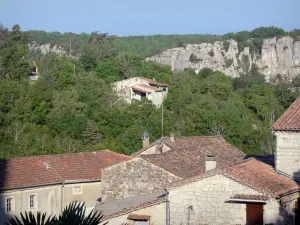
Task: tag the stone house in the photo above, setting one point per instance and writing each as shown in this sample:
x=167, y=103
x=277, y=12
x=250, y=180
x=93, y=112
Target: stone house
x=139, y=88
x=211, y=184
x=48, y=183
x=250, y=192
x=287, y=132
x=185, y=157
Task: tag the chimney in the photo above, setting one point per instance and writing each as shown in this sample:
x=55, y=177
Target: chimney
x=145, y=138
x=172, y=138
x=210, y=163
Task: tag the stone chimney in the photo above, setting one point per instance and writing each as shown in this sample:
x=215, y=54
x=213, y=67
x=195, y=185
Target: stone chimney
x=145, y=138
x=210, y=163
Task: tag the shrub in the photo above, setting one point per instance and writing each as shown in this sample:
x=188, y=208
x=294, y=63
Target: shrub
x=226, y=45
x=228, y=63
x=211, y=53
x=193, y=58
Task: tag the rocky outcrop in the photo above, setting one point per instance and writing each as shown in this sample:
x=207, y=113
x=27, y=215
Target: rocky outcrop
x=277, y=56
x=46, y=48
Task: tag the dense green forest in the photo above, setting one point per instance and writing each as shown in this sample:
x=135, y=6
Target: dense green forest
x=72, y=107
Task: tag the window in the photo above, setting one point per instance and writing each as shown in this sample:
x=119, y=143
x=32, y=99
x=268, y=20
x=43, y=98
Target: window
x=10, y=204
x=33, y=202
x=77, y=190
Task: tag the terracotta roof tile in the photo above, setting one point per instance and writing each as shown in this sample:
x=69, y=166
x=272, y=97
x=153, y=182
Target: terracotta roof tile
x=290, y=120
x=138, y=217
x=262, y=177
x=154, y=82
x=250, y=197
x=144, y=88
x=49, y=169
x=188, y=159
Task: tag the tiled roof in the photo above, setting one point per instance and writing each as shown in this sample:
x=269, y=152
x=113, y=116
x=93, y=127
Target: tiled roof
x=154, y=82
x=290, y=120
x=262, y=177
x=138, y=217
x=143, y=88
x=49, y=169
x=250, y=197
x=114, y=208
x=188, y=159
x=252, y=173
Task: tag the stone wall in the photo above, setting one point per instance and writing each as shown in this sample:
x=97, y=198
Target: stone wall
x=278, y=56
x=288, y=153
x=207, y=202
x=132, y=178
x=157, y=215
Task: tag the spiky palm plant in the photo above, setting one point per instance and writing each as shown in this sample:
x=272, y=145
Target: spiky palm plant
x=31, y=219
x=73, y=214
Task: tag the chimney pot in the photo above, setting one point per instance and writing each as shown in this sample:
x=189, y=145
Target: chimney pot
x=210, y=163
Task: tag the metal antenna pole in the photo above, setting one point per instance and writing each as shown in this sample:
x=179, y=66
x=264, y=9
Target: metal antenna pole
x=162, y=119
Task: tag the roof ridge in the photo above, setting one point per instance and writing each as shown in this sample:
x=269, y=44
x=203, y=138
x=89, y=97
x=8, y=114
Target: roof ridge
x=60, y=154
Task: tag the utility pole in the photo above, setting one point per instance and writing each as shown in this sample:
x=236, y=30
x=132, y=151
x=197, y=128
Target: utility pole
x=162, y=119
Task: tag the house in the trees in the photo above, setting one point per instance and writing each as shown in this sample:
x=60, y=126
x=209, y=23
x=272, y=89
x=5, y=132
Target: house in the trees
x=48, y=183
x=139, y=88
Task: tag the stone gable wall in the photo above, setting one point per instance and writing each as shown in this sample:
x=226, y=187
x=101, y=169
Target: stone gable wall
x=157, y=215
x=209, y=198
x=288, y=153
x=132, y=178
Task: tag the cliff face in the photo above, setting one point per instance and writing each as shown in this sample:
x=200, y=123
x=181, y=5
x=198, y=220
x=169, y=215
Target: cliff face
x=277, y=56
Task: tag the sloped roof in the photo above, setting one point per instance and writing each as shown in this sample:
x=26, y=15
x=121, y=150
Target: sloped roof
x=262, y=177
x=50, y=169
x=154, y=82
x=252, y=173
x=114, y=208
x=143, y=88
x=189, y=158
x=290, y=120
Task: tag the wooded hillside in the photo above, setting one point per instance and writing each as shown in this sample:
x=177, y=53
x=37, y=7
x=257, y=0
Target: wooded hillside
x=71, y=107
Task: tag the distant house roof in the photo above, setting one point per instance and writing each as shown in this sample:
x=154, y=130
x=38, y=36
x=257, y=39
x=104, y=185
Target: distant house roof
x=153, y=82
x=188, y=156
x=254, y=174
x=114, y=208
x=143, y=88
x=290, y=120
x=52, y=169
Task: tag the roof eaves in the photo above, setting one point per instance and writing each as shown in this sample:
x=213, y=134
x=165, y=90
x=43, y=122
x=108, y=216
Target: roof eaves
x=135, y=208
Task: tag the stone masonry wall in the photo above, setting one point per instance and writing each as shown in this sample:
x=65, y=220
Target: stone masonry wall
x=288, y=153
x=206, y=202
x=132, y=178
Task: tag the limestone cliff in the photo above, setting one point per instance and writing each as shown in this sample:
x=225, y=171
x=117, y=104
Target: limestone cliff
x=46, y=48
x=277, y=56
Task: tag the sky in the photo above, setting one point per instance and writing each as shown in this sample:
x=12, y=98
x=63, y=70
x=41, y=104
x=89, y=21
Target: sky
x=141, y=17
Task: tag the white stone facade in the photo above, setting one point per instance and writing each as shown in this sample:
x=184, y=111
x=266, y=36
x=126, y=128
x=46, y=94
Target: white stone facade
x=157, y=215
x=207, y=201
x=125, y=91
x=287, y=151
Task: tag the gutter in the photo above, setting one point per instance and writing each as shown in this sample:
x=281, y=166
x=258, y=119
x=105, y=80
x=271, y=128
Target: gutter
x=51, y=184
x=247, y=200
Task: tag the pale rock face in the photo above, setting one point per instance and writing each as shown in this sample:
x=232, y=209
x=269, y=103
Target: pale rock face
x=46, y=48
x=278, y=56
